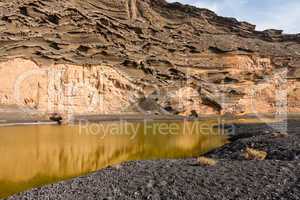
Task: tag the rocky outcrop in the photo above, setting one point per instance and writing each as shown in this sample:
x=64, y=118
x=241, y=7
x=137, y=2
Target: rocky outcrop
x=100, y=56
x=65, y=88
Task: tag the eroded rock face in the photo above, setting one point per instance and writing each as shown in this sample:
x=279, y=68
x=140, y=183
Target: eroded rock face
x=100, y=56
x=65, y=88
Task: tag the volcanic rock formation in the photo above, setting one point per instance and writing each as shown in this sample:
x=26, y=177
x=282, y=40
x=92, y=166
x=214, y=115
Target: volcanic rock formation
x=150, y=56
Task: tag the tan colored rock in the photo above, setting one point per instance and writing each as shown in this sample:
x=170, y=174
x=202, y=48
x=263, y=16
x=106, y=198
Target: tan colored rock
x=108, y=56
x=65, y=88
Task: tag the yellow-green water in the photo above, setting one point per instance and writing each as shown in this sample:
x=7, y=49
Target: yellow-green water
x=33, y=156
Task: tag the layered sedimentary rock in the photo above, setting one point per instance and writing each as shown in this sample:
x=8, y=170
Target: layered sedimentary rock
x=100, y=56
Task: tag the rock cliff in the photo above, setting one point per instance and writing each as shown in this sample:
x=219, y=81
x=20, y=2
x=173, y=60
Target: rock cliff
x=150, y=56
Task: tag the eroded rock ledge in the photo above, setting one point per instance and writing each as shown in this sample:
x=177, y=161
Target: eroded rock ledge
x=99, y=56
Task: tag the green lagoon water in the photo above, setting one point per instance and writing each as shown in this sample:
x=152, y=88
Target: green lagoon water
x=33, y=156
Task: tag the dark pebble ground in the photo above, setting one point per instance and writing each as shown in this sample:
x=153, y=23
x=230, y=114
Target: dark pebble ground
x=277, y=177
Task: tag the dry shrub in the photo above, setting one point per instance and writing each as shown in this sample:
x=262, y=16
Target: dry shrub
x=280, y=135
x=253, y=154
x=204, y=161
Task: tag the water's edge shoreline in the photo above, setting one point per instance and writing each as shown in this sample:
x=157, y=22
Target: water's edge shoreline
x=233, y=176
x=43, y=120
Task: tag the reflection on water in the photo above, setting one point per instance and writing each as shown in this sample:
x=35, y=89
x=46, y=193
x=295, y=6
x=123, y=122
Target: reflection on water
x=32, y=156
